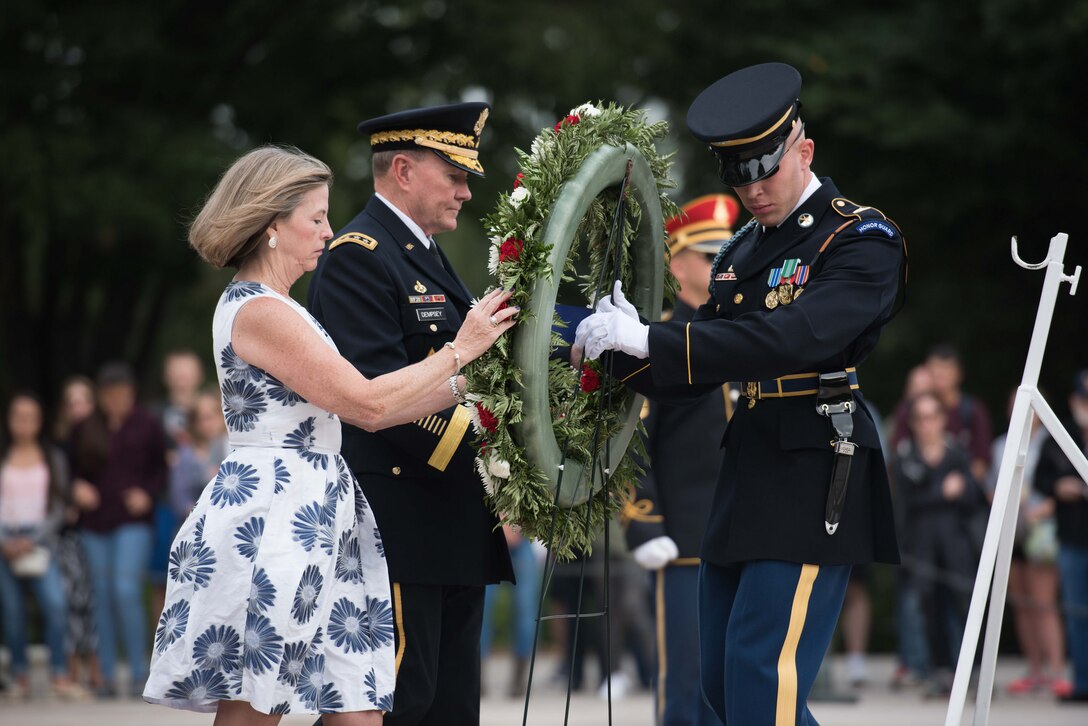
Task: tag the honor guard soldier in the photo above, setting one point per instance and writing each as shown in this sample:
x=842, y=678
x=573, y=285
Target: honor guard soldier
x=389, y=297
x=668, y=511
x=798, y=299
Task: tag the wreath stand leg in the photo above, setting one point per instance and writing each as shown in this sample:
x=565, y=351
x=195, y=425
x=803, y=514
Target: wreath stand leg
x=551, y=561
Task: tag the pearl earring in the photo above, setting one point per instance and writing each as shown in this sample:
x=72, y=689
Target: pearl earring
x=272, y=242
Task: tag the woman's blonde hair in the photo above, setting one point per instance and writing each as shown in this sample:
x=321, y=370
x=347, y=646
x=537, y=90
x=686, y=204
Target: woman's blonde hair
x=260, y=187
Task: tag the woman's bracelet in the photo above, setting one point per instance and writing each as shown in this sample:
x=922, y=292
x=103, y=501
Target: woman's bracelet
x=456, y=356
x=457, y=394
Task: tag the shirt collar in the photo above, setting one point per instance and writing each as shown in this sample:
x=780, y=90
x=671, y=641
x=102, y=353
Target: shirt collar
x=408, y=222
x=813, y=185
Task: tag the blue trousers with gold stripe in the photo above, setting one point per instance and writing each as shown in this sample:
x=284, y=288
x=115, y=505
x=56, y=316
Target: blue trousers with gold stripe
x=765, y=627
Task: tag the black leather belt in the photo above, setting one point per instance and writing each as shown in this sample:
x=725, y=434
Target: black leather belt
x=798, y=384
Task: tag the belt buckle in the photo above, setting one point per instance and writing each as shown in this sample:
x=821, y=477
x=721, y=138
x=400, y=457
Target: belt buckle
x=752, y=392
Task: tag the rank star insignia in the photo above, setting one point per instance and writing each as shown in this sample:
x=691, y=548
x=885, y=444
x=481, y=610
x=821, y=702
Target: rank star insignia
x=420, y=287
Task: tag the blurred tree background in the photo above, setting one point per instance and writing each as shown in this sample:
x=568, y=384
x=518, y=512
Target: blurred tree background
x=963, y=121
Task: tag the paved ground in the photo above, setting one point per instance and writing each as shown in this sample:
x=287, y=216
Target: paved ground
x=876, y=705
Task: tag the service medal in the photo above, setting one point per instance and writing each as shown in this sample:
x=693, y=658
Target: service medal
x=797, y=292
x=772, y=299
x=785, y=293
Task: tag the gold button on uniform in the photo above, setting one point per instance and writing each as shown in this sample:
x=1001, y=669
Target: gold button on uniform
x=434, y=328
x=738, y=298
x=396, y=471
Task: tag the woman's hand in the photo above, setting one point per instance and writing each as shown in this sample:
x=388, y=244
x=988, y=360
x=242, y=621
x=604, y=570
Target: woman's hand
x=484, y=324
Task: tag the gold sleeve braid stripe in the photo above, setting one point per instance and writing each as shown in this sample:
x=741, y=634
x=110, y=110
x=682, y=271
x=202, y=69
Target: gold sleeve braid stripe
x=451, y=439
x=632, y=375
x=435, y=424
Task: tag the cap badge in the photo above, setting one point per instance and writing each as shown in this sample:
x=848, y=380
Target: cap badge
x=420, y=287
x=805, y=220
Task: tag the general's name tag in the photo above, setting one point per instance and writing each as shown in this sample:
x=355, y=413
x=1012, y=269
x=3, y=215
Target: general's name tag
x=426, y=314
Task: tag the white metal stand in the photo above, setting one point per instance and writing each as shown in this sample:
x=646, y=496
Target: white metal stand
x=997, y=547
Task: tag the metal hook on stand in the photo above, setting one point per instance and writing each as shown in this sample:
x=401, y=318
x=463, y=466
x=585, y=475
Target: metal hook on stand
x=1059, y=240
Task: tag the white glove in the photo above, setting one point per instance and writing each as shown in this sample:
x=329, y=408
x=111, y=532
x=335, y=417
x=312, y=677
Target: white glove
x=617, y=301
x=612, y=331
x=656, y=553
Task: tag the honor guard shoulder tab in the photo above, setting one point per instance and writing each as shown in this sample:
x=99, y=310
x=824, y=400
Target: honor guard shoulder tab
x=363, y=240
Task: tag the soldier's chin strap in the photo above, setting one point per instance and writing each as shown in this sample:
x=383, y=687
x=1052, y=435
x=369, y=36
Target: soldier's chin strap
x=836, y=401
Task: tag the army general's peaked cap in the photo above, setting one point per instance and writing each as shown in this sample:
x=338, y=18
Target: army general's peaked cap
x=452, y=132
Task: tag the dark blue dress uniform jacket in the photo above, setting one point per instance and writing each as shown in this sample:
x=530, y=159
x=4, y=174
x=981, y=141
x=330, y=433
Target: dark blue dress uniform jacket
x=673, y=497
x=388, y=302
x=772, y=488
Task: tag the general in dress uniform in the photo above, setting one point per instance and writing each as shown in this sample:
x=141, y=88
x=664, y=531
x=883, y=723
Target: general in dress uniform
x=389, y=297
x=798, y=299
x=670, y=503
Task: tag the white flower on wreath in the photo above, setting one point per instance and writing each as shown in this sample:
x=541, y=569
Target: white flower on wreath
x=586, y=110
x=474, y=413
x=541, y=144
x=491, y=486
x=518, y=197
x=498, y=467
x=493, y=256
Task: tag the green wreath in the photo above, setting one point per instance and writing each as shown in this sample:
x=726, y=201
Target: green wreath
x=527, y=408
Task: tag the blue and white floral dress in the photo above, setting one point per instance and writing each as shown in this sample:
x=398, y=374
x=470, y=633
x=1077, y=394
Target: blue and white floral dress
x=277, y=590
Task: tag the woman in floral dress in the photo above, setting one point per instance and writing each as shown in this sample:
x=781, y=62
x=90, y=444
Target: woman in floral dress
x=278, y=595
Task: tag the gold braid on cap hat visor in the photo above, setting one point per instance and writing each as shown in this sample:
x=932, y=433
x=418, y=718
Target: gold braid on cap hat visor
x=447, y=141
x=774, y=127
x=696, y=233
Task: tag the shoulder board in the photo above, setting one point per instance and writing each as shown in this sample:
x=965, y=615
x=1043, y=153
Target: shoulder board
x=358, y=238
x=871, y=219
x=849, y=209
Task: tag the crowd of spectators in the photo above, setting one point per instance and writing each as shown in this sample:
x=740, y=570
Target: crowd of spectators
x=91, y=496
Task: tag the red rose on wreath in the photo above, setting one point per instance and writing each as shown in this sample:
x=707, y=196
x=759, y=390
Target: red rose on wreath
x=510, y=250
x=590, y=380
x=517, y=180
x=487, y=419
x=568, y=121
